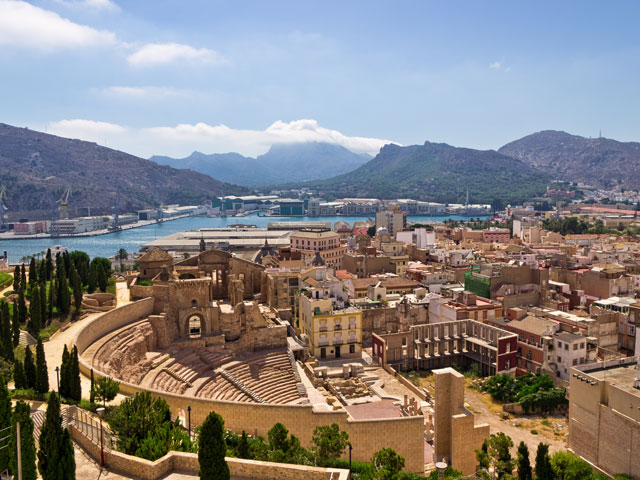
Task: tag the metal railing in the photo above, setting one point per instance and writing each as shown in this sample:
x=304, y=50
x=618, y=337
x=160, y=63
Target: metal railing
x=88, y=426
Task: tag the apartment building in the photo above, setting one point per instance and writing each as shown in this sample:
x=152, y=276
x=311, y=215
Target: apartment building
x=393, y=221
x=464, y=305
x=323, y=242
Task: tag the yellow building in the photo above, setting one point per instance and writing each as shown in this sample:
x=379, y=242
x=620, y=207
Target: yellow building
x=332, y=332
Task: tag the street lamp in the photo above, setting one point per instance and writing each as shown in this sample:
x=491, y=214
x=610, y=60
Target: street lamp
x=350, y=448
x=189, y=413
x=58, y=377
x=100, y=413
x=441, y=467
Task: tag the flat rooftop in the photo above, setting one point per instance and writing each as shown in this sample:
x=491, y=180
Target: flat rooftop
x=621, y=376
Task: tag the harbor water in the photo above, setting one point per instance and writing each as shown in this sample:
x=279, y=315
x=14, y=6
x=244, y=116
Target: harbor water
x=132, y=239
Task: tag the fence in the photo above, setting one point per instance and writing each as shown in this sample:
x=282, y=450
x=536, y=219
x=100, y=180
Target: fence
x=88, y=426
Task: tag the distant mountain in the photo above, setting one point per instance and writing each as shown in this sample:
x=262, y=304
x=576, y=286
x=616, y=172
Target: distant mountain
x=601, y=162
x=439, y=172
x=292, y=162
x=36, y=168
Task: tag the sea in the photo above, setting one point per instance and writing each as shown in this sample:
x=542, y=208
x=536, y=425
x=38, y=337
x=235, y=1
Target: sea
x=132, y=239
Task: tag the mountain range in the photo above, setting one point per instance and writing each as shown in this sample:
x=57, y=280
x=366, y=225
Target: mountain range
x=439, y=172
x=36, y=168
x=299, y=161
x=600, y=162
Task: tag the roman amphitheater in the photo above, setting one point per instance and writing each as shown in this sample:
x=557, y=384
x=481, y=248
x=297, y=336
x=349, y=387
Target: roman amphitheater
x=198, y=334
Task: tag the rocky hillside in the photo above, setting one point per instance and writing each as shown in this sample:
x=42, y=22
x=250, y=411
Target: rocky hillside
x=439, y=172
x=36, y=168
x=600, y=162
x=293, y=162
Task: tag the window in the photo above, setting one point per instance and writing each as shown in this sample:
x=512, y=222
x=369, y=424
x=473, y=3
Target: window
x=575, y=346
x=559, y=360
x=352, y=349
x=582, y=345
x=533, y=339
x=566, y=346
x=575, y=361
x=559, y=344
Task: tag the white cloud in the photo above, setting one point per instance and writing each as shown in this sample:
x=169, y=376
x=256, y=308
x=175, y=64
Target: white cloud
x=145, y=92
x=93, y=5
x=495, y=65
x=181, y=140
x=154, y=54
x=25, y=25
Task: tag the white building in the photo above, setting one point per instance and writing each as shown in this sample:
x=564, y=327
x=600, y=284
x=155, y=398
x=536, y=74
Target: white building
x=570, y=350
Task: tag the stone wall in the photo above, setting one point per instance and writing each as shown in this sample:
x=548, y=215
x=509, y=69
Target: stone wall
x=188, y=463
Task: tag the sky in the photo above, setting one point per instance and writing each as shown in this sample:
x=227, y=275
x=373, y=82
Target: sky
x=170, y=77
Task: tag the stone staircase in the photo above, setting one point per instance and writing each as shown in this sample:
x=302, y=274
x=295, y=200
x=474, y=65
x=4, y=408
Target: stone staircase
x=240, y=386
x=26, y=339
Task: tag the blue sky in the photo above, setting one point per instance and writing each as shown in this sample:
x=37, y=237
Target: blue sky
x=170, y=77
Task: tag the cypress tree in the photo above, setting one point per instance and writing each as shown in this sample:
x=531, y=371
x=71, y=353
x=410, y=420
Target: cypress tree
x=524, y=464
x=43, y=303
x=92, y=392
x=67, y=263
x=42, y=375
x=103, y=278
x=22, y=414
x=22, y=308
x=93, y=278
x=53, y=289
x=29, y=369
x=5, y=422
x=33, y=271
x=64, y=299
x=49, y=264
x=16, y=279
x=213, y=449
x=544, y=471
x=23, y=278
x=77, y=291
x=5, y=331
x=19, y=378
x=15, y=325
x=75, y=386
x=35, y=312
x=64, y=374
x=59, y=265
x=50, y=439
x=42, y=272
x=66, y=462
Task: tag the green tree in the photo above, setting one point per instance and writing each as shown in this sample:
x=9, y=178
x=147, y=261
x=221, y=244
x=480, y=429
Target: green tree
x=50, y=439
x=65, y=374
x=566, y=466
x=35, y=312
x=5, y=423
x=64, y=297
x=386, y=464
x=33, y=272
x=16, y=279
x=242, y=450
x=106, y=389
x=544, y=471
x=499, y=446
x=524, y=464
x=22, y=415
x=15, y=325
x=29, y=368
x=53, y=299
x=212, y=449
x=75, y=392
x=42, y=272
x=81, y=262
x=19, y=378
x=66, y=464
x=482, y=456
x=77, y=291
x=103, y=278
x=329, y=443
x=42, y=375
x=43, y=304
x=49, y=264
x=22, y=308
x=93, y=279
x=92, y=393
x=23, y=278
x=6, y=334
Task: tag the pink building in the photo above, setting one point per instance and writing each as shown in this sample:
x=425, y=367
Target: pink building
x=30, y=228
x=496, y=235
x=324, y=242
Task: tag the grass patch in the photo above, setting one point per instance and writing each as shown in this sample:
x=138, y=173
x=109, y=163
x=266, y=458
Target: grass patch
x=534, y=432
x=111, y=286
x=28, y=394
x=53, y=327
x=8, y=292
x=5, y=280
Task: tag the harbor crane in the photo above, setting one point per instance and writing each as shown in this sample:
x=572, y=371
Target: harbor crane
x=115, y=226
x=3, y=208
x=63, y=209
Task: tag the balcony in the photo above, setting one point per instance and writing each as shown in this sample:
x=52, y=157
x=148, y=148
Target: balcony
x=337, y=327
x=323, y=328
x=323, y=343
x=338, y=341
x=353, y=340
